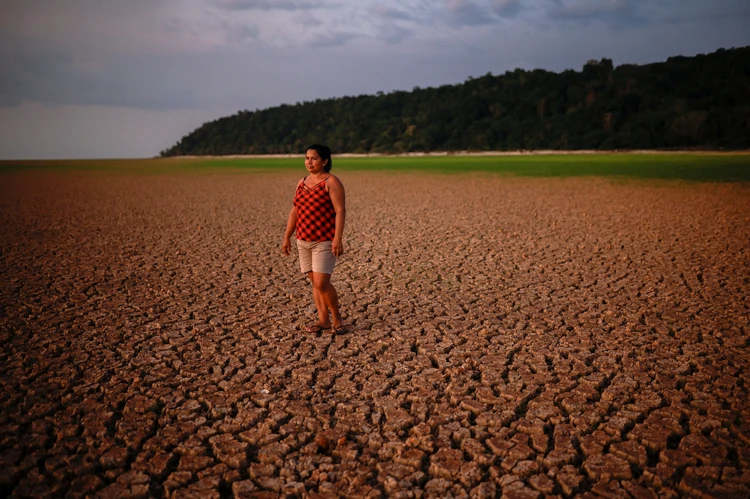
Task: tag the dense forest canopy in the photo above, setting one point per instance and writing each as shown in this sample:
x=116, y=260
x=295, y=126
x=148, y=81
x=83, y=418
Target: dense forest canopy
x=685, y=102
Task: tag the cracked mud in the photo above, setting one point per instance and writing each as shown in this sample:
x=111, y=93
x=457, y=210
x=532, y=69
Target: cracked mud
x=508, y=337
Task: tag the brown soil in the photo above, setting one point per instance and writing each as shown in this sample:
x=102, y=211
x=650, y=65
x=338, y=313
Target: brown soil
x=509, y=337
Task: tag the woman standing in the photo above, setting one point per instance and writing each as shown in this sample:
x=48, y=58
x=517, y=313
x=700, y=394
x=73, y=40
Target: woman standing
x=318, y=216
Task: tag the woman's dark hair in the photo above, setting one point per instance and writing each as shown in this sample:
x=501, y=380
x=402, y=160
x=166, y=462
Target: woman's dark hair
x=325, y=154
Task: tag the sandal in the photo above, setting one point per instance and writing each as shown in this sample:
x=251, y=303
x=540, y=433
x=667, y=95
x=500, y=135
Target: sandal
x=340, y=329
x=316, y=328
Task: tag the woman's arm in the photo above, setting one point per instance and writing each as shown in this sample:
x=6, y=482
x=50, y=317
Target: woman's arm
x=291, y=222
x=338, y=198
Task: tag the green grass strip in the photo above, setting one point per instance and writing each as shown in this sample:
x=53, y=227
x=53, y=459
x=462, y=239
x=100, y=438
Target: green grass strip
x=694, y=167
x=699, y=167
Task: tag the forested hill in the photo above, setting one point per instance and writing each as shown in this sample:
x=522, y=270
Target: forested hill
x=685, y=102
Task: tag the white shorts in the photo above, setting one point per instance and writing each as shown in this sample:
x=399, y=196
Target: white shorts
x=316, y=256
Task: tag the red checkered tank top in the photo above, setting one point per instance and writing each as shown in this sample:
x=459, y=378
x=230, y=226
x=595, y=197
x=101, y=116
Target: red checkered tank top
x=316, y=217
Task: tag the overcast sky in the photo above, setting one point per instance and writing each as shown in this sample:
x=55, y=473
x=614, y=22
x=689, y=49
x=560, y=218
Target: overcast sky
x=117, y=78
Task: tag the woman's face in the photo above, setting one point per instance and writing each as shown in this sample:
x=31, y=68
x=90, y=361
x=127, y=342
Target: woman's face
x=313, y=162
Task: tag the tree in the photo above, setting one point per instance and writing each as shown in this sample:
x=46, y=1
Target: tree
x=696, y=101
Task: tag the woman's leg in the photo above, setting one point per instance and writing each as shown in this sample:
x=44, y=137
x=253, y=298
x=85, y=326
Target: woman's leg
x=329, y=296
x=320, y=302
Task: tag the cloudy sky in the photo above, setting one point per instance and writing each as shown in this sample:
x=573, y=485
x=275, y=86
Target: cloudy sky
x=128, y=78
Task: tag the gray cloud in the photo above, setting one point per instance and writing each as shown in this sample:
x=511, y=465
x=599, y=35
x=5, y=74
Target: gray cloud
x=469, y=13
x=53, y=77
x=577, y=9
x=393, y=34
x=333, y=39
x=392, y=14
x=393, y=25
x=291, y=5
x=639, y=13
x=717, y=11
x=241, y=33
x=459, y=13
x=507, y=8
x=615, y=13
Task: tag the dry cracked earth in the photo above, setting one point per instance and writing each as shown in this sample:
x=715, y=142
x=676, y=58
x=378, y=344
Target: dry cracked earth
x=508, y=337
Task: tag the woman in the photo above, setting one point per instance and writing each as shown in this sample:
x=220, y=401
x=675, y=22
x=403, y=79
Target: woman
x=317, y=216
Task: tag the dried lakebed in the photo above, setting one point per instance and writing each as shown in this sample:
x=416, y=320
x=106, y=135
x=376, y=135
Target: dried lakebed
x=509, y=337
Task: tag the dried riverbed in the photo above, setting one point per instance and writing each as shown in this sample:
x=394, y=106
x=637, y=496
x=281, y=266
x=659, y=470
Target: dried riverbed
x=509, y=337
